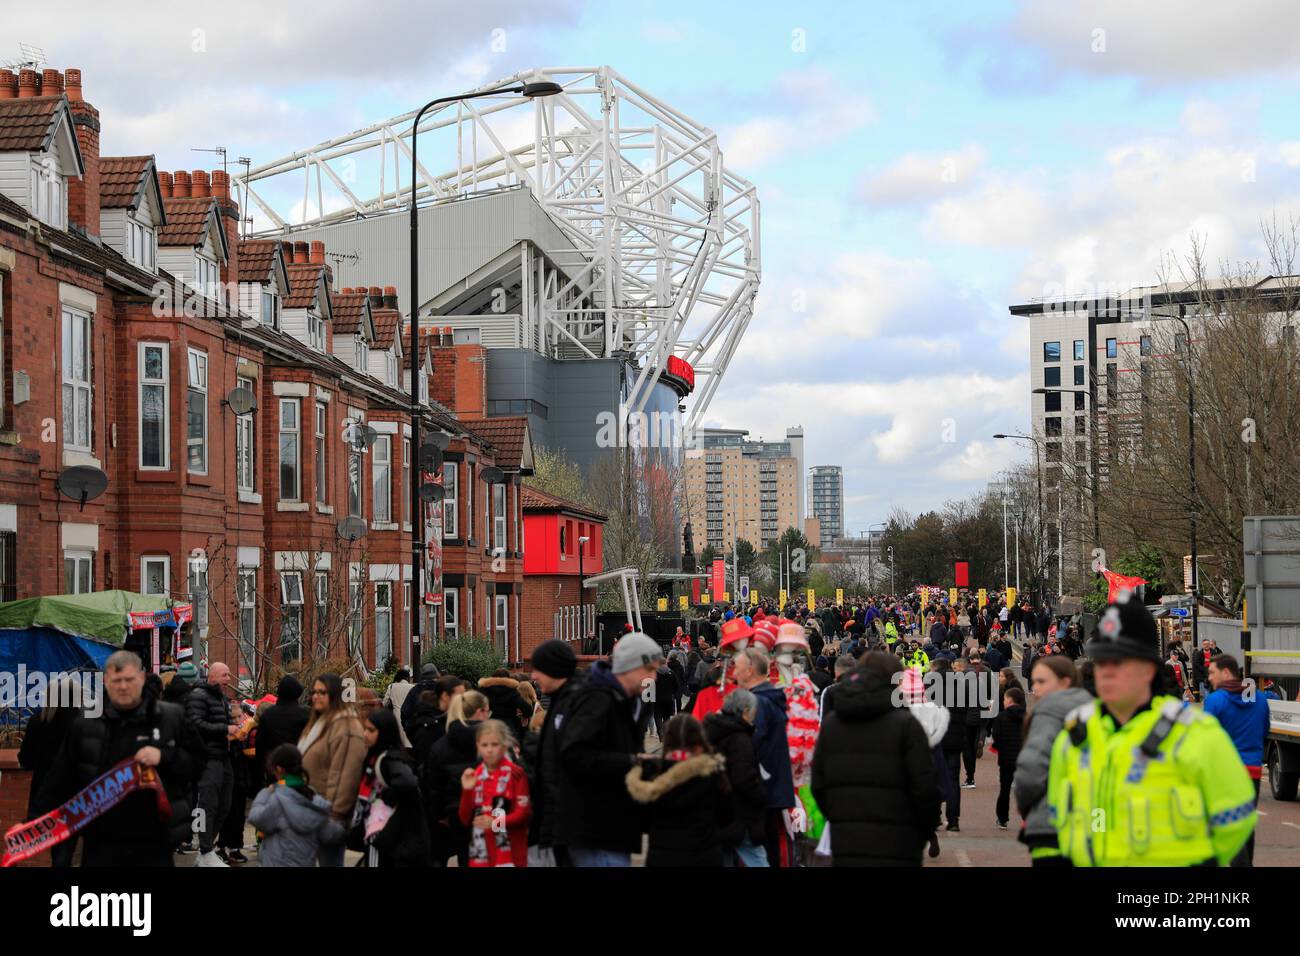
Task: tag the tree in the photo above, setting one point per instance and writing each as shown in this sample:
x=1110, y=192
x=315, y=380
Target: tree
x=556, y=474
x=746, y=557
x=791, y=555
x=1146, y=562
x=707, y=557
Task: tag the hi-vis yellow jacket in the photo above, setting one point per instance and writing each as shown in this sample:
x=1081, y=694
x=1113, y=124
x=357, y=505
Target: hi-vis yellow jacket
x=1166, y=789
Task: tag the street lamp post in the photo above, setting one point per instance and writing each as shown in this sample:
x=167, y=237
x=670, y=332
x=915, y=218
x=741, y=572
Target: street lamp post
x=871, y=549
x=582, y=590
x=1038, y=544
x=893, y=592
x=530, y=90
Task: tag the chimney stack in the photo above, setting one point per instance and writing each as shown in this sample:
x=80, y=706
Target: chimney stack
x=199, y=184
x=8, y=85
x=317, y=252
x=228, y=216
x=83, y=193
x=28, y=84
x=73, y=85
x=301, y=252
x=181, y=184
x=390, y=297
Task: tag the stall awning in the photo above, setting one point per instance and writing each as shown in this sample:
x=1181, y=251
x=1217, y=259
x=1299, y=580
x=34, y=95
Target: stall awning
x=102, y=615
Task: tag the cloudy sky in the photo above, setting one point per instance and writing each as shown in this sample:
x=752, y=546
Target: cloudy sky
x=919, y=170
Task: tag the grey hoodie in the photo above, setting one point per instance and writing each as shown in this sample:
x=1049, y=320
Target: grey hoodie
x=1045, y=723
x=294, y=827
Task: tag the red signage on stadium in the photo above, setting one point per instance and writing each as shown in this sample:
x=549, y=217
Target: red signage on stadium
x=681, y=369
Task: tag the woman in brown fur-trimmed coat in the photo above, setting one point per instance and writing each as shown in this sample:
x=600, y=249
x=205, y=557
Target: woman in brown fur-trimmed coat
x=502, y=692
x=686, y=797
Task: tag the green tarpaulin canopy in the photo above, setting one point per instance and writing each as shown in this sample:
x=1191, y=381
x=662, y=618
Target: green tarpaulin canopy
x=100, y=614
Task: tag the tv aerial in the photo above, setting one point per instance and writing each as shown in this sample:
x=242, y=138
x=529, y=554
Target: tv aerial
x=82, y=483
x=30, y=57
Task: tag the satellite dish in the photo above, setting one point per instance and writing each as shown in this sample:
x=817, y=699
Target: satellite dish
x=352, y=529
x=438, y=440
x=430, y=458
x=492, y=476
x=360, y=436
x=82, y=483
x=432, y=492
x=241, y=400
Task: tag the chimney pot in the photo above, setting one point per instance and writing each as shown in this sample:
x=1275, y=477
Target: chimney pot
x=220, y=184
x=347, y=290
x=318, y=251
x=51, y=83
x=28, y=84
x=199, y=184
x=300, y=252
x=376, y=292
x=286, y=248
x=8, y=85
x=72, y=84
x=390, y=290
x=181, y=184
x=165, y=184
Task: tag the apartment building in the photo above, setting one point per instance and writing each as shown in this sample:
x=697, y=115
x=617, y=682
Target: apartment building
x=736, y=488
x=826, y=502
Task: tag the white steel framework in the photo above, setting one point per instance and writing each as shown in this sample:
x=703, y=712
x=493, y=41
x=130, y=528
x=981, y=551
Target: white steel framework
x=667, y=238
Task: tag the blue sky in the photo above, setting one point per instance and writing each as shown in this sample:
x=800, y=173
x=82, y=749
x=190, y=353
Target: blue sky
x=919, y=169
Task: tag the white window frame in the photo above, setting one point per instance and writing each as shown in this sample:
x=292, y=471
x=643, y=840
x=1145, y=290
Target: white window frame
x=49, y=197
x=196, y=580
x=450, y=485
x=499, y=517
x=356, y=616
x=149, y=383
x=383, y=621
x=406, y=608
x=322, y=454
x=246, y=600
x=315, y=331
x=77, y=322
x=197, y=384
x=406, y=481
x=79, y=557
x=155, y=559
x=322, y=608
x=469, y=502
x=246, y=443
x=206, y=275
x=270, y=308
x=142, y=243
x=291, y=603
x=294, y=431
x=451, y=613
x=363, y=354
x=501, y=620
x=381, y=475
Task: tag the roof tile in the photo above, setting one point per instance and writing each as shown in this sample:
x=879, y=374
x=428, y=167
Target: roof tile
x=187, y=220
x=27, y=124
x=535, y=499
x=121, y=179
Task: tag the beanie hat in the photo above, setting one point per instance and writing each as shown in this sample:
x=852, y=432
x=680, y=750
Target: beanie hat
x=633, y=651
x=555, y=659
x=1125, y=631
x=188, y=671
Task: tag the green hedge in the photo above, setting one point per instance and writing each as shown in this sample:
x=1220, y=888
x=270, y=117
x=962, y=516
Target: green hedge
x=468, y=658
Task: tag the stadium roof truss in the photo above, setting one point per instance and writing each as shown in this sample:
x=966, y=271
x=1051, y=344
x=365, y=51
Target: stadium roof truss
x=667, y=237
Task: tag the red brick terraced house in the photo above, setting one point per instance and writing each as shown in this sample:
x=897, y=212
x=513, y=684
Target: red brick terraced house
x=132, y=320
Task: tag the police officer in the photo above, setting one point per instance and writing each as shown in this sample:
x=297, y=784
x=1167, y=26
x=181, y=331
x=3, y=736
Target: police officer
x=1138, y=778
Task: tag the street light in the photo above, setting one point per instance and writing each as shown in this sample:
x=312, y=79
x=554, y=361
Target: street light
x=1038, y=556
x=871, y=567
x=893, y=593
x=531, y=91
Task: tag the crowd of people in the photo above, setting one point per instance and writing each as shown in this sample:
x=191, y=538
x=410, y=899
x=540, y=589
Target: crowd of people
x=755, y=737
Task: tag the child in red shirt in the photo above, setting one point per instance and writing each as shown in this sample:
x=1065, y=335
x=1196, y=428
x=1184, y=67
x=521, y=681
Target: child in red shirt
x=494, y=801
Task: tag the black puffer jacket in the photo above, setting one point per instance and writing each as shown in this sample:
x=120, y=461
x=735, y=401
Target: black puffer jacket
x=687, y=809
x=93, y=745
x=404, y=840
x=208, y=711
x=282, y=722
x=599, y=741
x=541, y=754
x=426, y=728
x=733, y=739
x=506, y=703
x=41, y=742
x=873, y=777
x=440, y=786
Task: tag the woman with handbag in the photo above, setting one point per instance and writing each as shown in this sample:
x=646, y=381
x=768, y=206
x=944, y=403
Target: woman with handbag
x=333, y=752
x=388, y=824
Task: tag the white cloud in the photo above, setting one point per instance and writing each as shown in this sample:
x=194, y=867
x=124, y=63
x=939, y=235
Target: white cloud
x=922, y=177
x=666, y=31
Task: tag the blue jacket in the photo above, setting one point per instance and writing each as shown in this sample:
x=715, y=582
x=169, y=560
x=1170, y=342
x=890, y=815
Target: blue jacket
x=772, y=746
x=1246, y=722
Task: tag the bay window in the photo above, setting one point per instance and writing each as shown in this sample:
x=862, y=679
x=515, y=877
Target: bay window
x=383, y=622
x=246, y=596
x=77, y=389
x=290, y=449
x=450, y=476
x=246, y=444
x=322, y=475
x=196, y=431
x=381, y=475
x=290, y=616
x=498, y=518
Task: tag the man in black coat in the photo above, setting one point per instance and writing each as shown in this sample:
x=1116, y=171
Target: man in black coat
x=555, y=671
x=281, y=723
x=153, y=732
x=428, y=678
x=208, y=711
x=598, y=823
x=731, y=733
x=873, y=773
x=953, y=743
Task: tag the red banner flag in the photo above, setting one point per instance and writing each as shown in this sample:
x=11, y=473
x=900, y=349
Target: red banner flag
x=25, y=840
x=1119, y=582
x=961, y=573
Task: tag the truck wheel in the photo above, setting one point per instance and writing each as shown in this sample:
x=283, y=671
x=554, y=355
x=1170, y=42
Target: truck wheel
x=1282, y=784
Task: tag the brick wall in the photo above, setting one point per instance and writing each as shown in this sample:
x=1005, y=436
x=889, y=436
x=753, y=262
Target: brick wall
x=15, y=788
